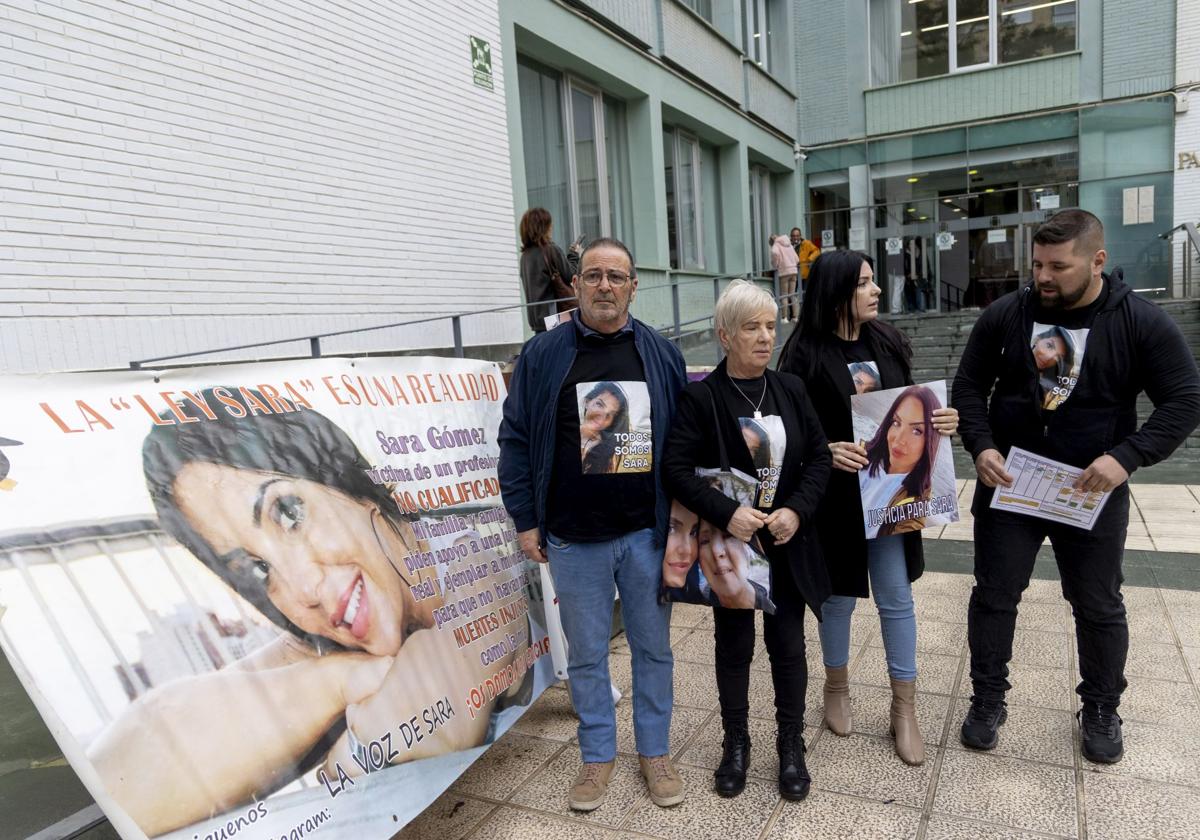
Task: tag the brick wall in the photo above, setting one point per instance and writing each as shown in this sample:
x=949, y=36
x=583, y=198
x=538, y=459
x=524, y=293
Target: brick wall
x=180, y=174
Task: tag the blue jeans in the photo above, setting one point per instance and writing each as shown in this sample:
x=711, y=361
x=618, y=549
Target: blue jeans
x=897, y=618
x=584, y=578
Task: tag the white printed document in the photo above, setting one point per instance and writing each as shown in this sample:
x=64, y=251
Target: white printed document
x=1045, y=488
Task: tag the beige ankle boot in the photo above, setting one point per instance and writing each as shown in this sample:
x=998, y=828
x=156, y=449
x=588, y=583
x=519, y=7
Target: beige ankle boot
x=909, y=745
x=837, y=700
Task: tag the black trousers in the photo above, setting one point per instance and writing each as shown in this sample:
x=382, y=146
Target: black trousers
x=1089, y=564
x=784, y=635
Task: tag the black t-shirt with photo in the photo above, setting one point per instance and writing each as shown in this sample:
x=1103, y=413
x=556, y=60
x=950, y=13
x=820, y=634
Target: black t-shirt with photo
x=864, y=370
x=1058, y=342
x=763, y=435
x=602, y=484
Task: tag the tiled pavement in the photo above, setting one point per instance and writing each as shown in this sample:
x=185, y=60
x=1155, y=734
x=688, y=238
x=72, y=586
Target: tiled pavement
x=1033, y=785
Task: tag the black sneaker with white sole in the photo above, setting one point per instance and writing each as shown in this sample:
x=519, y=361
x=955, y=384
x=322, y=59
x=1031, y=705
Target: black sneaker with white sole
x=981, y=726
x=1100, y=733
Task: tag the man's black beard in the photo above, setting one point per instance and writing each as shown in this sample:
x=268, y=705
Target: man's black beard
x=1060, y=300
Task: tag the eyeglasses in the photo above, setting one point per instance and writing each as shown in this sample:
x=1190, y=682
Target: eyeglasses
x=593, y=277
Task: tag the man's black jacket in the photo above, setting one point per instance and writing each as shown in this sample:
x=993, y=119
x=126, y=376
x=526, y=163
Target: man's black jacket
x=1133, y=346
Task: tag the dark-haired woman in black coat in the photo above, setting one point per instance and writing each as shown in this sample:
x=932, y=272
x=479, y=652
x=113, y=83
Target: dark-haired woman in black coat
x=840, y=349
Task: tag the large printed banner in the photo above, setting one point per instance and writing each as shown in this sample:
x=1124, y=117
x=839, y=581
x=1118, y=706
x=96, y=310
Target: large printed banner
x=266, y=601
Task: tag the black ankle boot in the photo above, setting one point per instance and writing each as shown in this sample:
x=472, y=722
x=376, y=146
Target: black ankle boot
x=793, y=775
x=730, y=778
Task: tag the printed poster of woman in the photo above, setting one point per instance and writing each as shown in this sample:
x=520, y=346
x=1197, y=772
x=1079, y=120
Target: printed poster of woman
x=908, y=483
x=704, y=565
x=1058, y=354
x=615, y=435
x=284, y=623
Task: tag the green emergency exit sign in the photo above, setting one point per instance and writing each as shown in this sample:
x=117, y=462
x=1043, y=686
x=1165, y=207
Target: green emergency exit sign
x=481, y=62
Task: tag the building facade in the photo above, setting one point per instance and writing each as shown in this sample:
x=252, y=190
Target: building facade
x=670, y=125
x=1187, y=140
x=939, y=134
x=185, y=175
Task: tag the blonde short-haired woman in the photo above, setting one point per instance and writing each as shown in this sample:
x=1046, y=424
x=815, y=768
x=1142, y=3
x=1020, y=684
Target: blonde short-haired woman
x=792, y=464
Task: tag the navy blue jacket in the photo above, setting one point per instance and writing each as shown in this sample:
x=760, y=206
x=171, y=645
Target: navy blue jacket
x=527, y=432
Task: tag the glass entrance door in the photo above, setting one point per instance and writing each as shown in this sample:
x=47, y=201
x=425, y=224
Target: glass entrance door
x=905, y=265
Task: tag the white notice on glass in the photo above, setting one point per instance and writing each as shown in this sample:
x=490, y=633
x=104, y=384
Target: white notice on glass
x=1129, y=206
x=1044, y=488
x=1146, y=205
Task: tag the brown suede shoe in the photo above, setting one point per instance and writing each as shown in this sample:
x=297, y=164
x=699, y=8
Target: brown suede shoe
x=587, y=794
x=663, y=780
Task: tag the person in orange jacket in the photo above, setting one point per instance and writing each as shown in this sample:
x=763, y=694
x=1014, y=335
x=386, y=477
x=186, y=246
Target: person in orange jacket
x=806, y=252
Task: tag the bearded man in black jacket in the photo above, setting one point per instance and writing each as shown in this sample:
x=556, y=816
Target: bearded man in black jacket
x=1096, y=345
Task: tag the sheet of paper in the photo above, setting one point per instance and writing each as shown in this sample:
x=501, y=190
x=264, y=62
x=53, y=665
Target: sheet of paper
x=1146, y=205
x=557, y=318
x=1043, y=488
x=1129, y=206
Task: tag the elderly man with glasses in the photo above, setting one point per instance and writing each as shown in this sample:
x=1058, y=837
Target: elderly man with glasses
x=584, y=425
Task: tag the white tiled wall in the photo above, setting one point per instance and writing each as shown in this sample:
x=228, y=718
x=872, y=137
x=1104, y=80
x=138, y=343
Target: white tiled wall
x=1187, y=125
x=182, y=174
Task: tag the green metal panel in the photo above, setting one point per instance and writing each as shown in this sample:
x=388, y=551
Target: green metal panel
x=1139, y=47
x=983, y=94
x=822, y=45
x=634, y=16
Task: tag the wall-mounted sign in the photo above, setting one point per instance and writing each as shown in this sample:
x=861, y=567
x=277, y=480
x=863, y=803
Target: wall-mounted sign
x=945, y=240
x=481, y=62
x=1048, y=202
x=826, y=239
x=894, y=245
x=1188, y=160
x=997, y=235
x=858, y=239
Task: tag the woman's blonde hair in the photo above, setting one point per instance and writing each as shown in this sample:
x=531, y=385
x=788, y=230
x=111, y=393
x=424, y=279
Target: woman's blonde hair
x=740, y=301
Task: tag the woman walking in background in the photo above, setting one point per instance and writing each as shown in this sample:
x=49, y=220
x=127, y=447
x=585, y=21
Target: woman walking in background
x=837, y=331
x=545, y=271
x=783, y=260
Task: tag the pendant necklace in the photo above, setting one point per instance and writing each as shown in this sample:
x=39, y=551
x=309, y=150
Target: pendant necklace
x=757, y=412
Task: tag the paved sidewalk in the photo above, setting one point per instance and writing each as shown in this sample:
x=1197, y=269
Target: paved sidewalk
x=1033, y=785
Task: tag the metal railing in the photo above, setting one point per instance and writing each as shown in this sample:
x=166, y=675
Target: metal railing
x=674, y=330
x=1189, y=255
